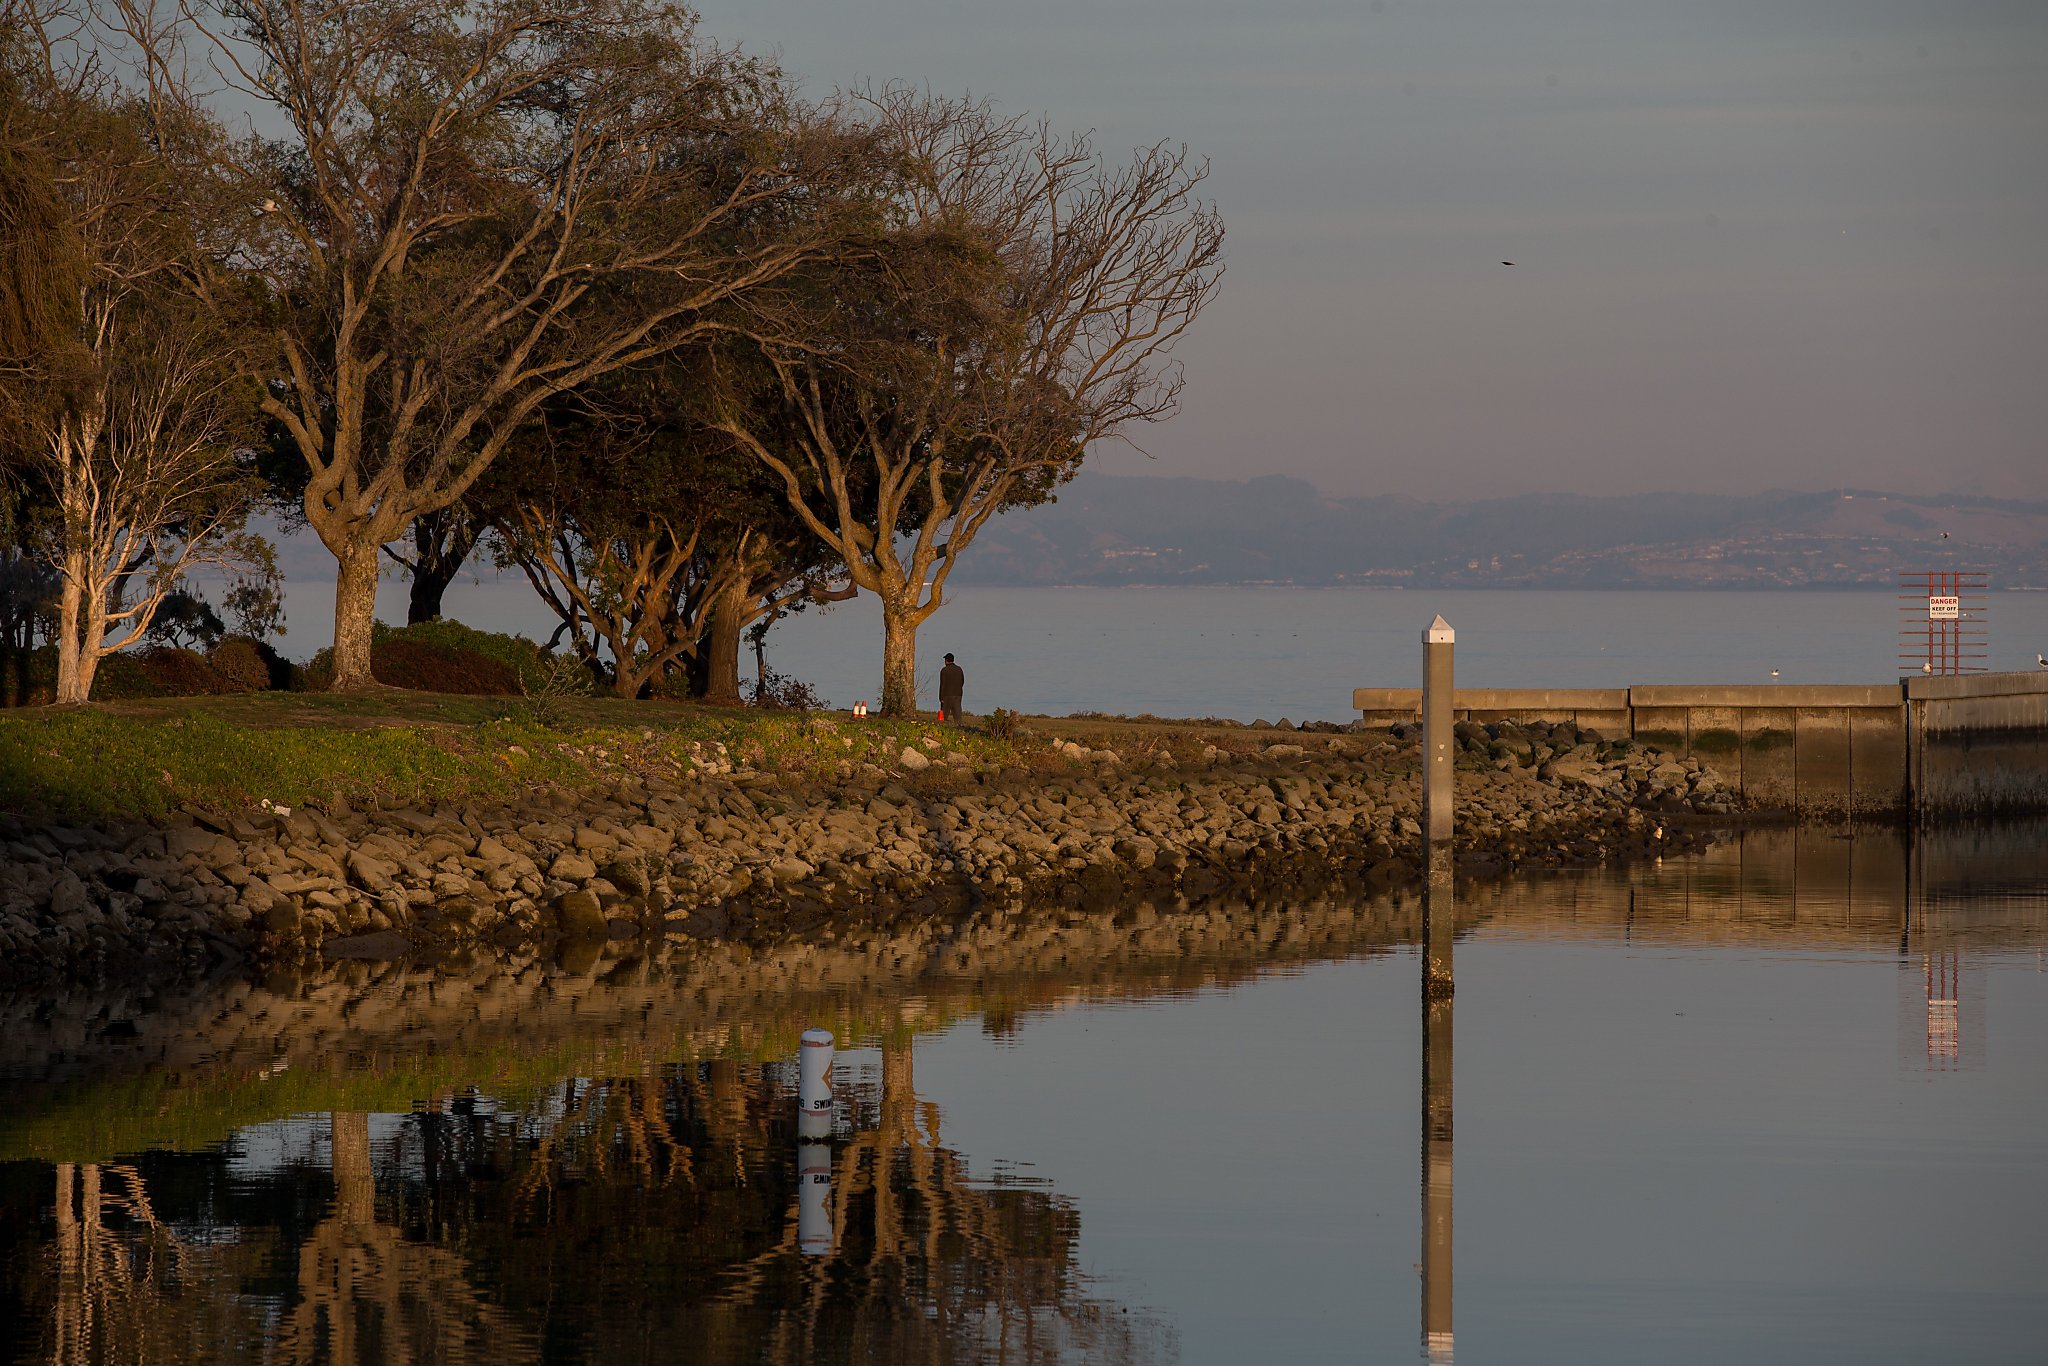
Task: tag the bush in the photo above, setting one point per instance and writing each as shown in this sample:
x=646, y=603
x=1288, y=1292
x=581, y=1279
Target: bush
x=176, y=672
x=528, y=663
x=779, y=692
x=240, y=663
x=410, y=664
x=28, y=678
x=441, y=656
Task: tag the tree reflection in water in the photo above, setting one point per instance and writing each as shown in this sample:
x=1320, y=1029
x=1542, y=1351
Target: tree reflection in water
x=610, y=1219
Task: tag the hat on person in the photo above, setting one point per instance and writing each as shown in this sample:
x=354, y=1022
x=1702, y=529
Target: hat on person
x=949, y=659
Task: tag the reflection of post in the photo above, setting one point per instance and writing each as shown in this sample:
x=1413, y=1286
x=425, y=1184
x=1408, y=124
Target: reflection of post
x=69, y=1311
x=1436, y=1177
x=814, y=1199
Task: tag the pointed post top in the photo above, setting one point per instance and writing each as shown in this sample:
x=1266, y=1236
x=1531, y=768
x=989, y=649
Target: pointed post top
x=1439, y=632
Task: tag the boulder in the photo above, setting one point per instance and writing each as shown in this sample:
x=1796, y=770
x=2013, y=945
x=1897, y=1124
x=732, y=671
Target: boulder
x=580, y=915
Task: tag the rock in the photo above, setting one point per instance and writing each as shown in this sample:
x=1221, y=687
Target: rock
x=371, y=874
x=628, y=877
x=572, y=868
x=194, y=842
x=913, y=760
x=790, y=870
x=580, y=915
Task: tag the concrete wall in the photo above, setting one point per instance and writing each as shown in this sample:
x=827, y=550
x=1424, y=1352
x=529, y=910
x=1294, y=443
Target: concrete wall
x=1978, y=743
x=1944, y=745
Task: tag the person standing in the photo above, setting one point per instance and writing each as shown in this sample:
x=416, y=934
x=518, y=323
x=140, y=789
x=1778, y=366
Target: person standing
x=952, y=682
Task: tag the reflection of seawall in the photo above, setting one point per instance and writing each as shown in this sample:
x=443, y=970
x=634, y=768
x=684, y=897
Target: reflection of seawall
x=95, y=1075
x=1788, y=888
x=92, y=1076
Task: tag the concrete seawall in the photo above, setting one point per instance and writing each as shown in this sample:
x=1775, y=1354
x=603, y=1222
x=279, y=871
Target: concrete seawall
x=1942, y=746
x=1978, y=743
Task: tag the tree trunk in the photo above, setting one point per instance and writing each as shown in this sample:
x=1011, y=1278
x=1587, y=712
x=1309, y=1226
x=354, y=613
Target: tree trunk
x=71, y=688
x=899, y=658
x=355, y=613
x=720, y=646
x=441, y=544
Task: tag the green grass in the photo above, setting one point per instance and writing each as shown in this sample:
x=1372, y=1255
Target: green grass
x=142, y=759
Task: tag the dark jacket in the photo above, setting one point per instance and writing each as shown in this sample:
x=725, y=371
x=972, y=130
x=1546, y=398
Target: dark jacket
x=952, y=682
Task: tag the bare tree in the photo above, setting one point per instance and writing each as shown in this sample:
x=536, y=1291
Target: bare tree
x=479, y=207
x=1020, y=304
x=137, y=448
x=646, y=534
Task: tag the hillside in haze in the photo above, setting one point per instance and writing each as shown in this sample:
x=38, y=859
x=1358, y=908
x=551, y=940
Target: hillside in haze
x=1108, y=529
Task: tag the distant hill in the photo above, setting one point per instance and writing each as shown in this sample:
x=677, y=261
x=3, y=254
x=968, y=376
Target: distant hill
x=1108, y=529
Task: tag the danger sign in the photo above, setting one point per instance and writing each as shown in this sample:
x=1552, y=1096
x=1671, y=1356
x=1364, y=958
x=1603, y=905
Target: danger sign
x=1944, y=609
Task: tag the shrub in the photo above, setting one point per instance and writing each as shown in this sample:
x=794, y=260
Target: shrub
x=779, y=692
x=240, y=664
x=526, y=660
x=28, y=678
x=441, y=656
x=545, y=701
x=176, y=672
x=411, y=664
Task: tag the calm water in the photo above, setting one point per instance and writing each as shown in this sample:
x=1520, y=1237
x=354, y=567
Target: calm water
x=1783, y=1102
x=1251, y=653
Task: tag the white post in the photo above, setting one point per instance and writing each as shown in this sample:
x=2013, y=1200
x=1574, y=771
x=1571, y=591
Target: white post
x=1439, y=758
x=814, y=1083
x=1439, y=745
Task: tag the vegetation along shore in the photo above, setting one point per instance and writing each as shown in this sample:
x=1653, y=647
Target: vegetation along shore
x=165, y=837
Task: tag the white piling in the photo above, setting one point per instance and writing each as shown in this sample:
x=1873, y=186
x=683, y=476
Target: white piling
x=814, y=1199
x=814, y=1074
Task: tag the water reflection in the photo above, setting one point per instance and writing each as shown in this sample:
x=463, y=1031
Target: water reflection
x=1438, y=1001
x=606, y=1219
x=527, y=1162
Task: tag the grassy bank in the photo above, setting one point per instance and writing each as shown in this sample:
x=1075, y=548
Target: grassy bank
x=141, y=759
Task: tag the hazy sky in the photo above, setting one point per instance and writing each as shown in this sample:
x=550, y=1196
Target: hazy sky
x=1758, y=243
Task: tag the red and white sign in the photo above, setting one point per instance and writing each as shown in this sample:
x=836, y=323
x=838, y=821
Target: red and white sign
x=1944, y=609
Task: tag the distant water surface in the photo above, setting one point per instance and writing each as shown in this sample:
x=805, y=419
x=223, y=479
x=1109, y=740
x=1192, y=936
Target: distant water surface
x=1252, y=653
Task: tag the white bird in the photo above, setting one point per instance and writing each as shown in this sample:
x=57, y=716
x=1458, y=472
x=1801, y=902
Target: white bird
x=2041, y=659
x=1774, y=673
x=1927, y=668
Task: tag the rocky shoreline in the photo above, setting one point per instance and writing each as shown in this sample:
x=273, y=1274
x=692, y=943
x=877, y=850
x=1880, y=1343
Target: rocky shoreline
x=728, y=852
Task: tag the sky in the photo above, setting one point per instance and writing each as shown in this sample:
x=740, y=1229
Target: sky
x=1756, y=243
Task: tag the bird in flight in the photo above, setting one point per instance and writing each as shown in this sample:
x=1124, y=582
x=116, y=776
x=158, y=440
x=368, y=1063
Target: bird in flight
x=1507, y=263
x=1944, y=535
x=1774, y=673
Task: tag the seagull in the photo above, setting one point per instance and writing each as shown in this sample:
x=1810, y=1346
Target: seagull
x=1507, y=263
x=1944, y=535
x=1774, y=673
x=1927, y=668
x=2041, y=659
